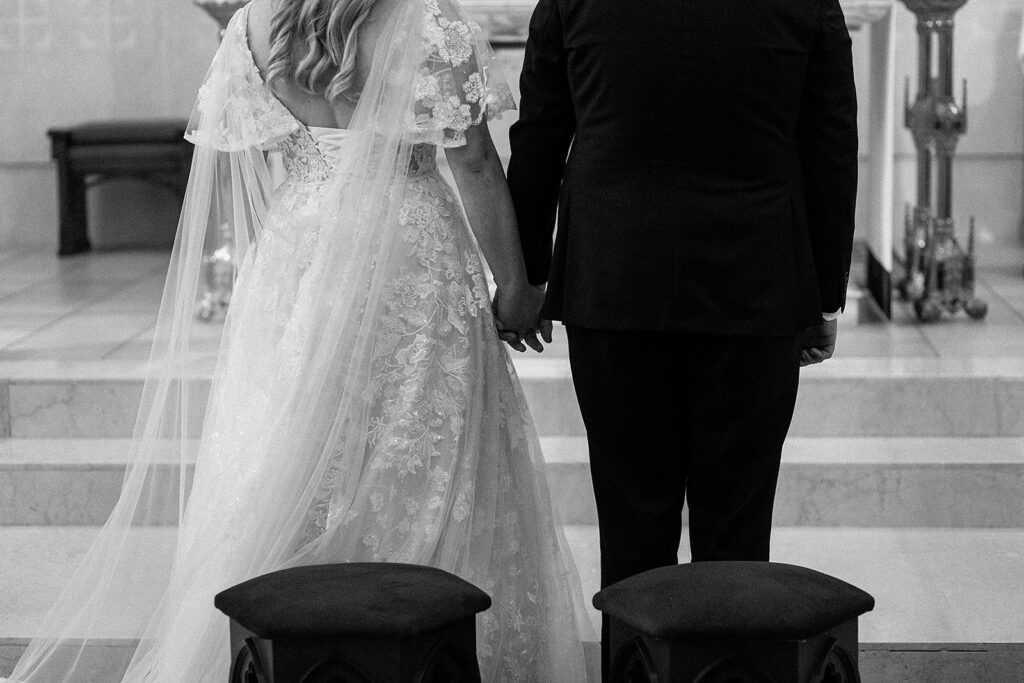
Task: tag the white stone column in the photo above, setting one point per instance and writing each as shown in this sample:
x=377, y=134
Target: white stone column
x=1020, y=58
x=878, y=188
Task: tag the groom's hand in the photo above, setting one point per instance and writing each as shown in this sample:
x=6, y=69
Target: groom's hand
x=818, y=343
x=517, y=316
x=544, y=327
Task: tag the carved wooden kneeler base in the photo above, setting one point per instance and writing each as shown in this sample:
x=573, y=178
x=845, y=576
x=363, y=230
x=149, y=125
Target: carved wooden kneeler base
x=733, y=622
x=354, y=623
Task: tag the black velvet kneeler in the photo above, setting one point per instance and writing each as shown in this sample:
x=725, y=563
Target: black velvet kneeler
x=735, y=622
x=354, y=622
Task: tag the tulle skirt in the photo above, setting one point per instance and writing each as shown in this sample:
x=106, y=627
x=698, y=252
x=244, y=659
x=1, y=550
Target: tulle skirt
x=449, y=471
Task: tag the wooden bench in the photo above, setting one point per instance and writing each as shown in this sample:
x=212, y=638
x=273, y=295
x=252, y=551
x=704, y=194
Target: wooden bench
x=153, y=150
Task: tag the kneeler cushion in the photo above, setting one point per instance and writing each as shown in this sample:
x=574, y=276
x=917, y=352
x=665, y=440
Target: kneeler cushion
x=358, y=598
x=733, y=600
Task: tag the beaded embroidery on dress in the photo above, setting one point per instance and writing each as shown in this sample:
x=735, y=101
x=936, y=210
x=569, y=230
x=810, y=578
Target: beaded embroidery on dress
x=361, y=408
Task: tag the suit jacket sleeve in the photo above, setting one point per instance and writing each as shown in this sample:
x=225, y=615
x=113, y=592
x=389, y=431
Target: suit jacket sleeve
x=828, y=151
x=540, y=139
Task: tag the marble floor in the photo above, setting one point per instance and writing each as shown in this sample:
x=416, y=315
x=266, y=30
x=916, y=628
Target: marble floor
x=102, y=307
x=904, y=473
x=949, y=598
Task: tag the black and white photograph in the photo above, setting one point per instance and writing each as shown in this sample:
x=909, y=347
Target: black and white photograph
x=497, y=341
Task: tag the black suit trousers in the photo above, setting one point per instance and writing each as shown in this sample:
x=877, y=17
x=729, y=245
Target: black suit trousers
x=675, y=416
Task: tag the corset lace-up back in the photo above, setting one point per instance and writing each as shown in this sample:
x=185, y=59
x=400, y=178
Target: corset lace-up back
x=304, y=159
x=310, y=157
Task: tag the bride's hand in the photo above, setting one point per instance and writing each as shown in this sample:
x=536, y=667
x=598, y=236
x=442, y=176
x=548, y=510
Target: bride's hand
x=513, y=340
x=517, y=316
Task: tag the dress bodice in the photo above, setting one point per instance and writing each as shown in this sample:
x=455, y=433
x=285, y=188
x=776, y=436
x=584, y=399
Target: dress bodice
x=310, y=158
x=311, y=153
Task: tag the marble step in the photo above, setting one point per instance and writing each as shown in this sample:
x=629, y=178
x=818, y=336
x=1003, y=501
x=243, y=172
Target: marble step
x=887, y=482
x=879, y=662
x=857, y=482
x=945, y=598
x=849, y=397
x=843, y=397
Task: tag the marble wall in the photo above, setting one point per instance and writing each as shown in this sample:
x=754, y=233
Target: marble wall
x=66, y=61
x=69, y=61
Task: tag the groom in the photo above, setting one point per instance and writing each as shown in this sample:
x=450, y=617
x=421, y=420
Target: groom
x=702, y=157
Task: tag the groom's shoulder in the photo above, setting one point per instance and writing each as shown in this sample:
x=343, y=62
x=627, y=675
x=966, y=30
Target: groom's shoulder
x=827, y=13
x=799, y=15
x=609, y=15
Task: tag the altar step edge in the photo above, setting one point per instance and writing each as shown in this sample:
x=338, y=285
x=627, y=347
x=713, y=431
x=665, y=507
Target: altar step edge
x=884, y=482
x=879, y=662
x=858, y=397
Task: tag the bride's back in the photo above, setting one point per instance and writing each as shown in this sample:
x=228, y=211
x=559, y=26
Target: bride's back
x=315, y=109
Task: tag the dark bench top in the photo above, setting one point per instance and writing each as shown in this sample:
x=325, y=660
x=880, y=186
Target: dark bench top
x=124, y=132
x=755, y=600
x=358, y=598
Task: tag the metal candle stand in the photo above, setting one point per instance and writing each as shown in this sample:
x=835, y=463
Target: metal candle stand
x=219, y=265
x=938, y=271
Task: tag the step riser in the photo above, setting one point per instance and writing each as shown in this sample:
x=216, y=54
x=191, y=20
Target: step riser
x=856, y=495
x=837, y=407
x=960, y=662
x=74, y=409
x=928, y=406
x=864, y=495
x=959, y=496
x=99, y=663
x=953, y=663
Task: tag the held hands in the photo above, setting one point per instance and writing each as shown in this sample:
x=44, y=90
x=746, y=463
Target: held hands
x=818, y=343
x=517, y=317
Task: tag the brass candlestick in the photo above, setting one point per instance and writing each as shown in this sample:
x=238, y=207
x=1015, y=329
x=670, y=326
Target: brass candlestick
x=938, y=272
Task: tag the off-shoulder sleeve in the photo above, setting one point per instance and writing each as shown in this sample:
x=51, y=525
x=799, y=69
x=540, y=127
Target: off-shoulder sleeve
x=234, y=111
x=458, y=84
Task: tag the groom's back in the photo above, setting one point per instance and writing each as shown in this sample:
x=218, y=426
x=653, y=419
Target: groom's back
x=708, y=86
x=684, y=179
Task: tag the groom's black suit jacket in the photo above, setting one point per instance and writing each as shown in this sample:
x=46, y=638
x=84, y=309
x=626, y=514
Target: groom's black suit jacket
x=711, y=180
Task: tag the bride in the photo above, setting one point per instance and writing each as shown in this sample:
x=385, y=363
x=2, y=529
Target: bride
x=362, y=406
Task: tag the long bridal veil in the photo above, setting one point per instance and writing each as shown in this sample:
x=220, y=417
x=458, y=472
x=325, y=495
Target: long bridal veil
x=287, y=408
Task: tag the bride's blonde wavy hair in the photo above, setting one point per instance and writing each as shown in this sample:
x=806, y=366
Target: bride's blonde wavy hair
x=329, y=29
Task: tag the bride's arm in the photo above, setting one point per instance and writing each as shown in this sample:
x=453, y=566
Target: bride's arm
x=492, y=218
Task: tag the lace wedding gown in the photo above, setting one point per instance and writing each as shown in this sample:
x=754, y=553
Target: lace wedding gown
x=362, y=407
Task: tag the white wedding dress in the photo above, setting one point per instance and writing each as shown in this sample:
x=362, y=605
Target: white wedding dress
x=362, y=407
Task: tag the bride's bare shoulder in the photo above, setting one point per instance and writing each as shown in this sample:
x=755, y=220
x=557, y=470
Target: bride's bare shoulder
x=261, y=14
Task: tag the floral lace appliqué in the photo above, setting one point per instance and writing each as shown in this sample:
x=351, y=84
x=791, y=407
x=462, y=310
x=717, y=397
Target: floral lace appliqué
x=455, y=89
x=246, y=113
